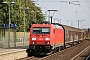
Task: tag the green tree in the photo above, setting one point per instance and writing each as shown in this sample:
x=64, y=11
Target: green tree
x=29, y=17
x=3, y=13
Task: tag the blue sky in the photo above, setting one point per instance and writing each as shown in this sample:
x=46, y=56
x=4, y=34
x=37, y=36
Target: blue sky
x=68, y=14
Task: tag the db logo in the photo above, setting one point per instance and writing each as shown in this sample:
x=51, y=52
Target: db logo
x=40, y=38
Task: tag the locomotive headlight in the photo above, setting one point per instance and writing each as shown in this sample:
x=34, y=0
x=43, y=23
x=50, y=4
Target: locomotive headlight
x=47, y=42
x=33, y=43
x=47, y=39
x=33, y=38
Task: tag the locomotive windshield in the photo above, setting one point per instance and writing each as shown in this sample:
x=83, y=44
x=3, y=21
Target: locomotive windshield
x=36, y=30
x=41, y=30
x=45, y=30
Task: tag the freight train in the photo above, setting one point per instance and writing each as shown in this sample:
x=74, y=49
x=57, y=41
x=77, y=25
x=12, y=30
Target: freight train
x=48, y=38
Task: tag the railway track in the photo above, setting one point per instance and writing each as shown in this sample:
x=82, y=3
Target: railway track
x=88, y=57
x=83, y=54
x=72, y=53
x=30, y=58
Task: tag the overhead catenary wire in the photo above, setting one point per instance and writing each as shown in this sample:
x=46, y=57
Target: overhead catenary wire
x=84, y=10
x=60, y=1
x=42, y=6
x=88, y=4
x=77, y=12
x=68, y=11
x=57, y=11
x=63, y=8
x=64, y=16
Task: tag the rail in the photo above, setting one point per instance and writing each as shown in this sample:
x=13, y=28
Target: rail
x=78, y=55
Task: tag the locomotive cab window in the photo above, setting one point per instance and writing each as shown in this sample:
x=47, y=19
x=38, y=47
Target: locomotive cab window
x=41, y=30
x=36, y=30
x=45, y=30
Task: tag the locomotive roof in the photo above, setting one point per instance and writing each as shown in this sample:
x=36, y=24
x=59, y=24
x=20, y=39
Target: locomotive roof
x=72, y=28
x=69, y=27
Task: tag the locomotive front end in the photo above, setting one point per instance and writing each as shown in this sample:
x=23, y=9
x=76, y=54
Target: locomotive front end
x=40, y=38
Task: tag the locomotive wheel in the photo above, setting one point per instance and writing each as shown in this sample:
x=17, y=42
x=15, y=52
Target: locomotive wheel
x=58, y=49
x=61, y=48
x=73, y=44
x=29, y=54
x=52, y=51
x=55, y=50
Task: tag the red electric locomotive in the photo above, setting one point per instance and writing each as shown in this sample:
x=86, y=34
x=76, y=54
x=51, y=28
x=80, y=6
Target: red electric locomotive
x=49, y=38
x=45, y=37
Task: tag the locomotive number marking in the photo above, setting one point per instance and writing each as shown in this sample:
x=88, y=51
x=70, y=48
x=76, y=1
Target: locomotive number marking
x=40, y=42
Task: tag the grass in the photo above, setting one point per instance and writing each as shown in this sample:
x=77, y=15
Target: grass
x=18, y=40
